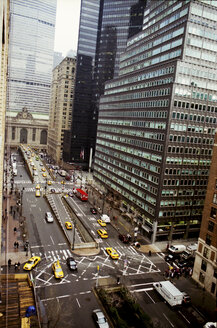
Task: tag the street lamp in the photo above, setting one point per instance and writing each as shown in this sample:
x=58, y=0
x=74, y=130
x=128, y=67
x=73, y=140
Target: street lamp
x=73, y=243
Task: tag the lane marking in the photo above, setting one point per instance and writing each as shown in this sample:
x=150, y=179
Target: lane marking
x=78, y=303
x=168, y=320
x=184, y=317
x=52, y=240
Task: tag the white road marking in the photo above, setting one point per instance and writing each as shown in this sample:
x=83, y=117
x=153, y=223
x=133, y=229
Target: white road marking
x=168, y=320
x=184, y=317
x=78, y=303
x=52, y=240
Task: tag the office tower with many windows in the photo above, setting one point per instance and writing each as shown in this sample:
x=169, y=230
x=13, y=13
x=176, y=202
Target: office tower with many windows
x=103, y=33
x=62, y=95
x=30, y=61
x=157, y=119
x=205, y=269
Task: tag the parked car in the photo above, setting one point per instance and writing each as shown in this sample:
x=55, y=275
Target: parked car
x=186, y=299
x=70, y=261
x=93, y=210
x=172, y=258
x=99, y=319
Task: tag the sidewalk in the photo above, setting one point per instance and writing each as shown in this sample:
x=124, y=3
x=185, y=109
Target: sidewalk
x=12, y=233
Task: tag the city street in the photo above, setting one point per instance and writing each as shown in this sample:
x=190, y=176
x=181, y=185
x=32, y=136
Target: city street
x=71, y=299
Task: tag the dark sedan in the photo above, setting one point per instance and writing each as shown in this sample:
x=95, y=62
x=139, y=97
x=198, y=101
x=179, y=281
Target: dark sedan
x=71, y=264
x=93, y=210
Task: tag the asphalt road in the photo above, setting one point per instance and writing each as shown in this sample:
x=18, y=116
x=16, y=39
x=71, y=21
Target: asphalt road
x=69, y=302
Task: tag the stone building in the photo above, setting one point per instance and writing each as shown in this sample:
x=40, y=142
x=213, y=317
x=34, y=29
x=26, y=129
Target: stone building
x=26, y=128
x=62, y=96
x=205, y=268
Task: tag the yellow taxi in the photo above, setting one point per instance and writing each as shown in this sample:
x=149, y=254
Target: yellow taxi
x=44, y=174
x=112, y=252
x=34, y=168
x=30, y=160
x=38, y=186
x=68, y=225
x=102, y=223
x=49, y=183
x=43, y=169
x=57, y=270
x=31, y=263
x=37, y=193
x=102, y=233
x=63, y=182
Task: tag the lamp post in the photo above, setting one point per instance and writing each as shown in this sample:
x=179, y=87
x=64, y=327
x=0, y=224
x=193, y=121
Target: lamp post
x=73, y=244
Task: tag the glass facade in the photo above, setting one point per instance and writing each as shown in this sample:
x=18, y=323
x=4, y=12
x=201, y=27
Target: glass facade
x=30, y=62
x=157, y=119
x=103, y=33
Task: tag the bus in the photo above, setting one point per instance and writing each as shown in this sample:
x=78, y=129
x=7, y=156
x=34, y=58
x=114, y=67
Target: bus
x=81, y=194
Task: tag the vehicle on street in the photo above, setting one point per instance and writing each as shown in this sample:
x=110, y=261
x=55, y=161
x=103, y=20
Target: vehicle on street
x=210, y=325
x=31, y=263
x=112, y=252
x=52, y=190
x=93, y=210
x=124, y=238
x=70, y=261
x=172, y=258
x=185, y=263
x=186, y=299
x=57, y=270
x=62, y=173
x=178, y=249
x=35, y=173
x=169, y=292
x=190, y=251
x=37, y=193
x=68, y=225
x=15, y=172
x=49, y=183
x=99, y=319
x=68, y=177
x=70, y=194
x=38, y=186
x=105, y=218
x=102, y=223
x=49, y=217
x=41, y=164
x=43, y=169
x=102, y=233
x=44, y=174
x=81, y=194
x=63, y=182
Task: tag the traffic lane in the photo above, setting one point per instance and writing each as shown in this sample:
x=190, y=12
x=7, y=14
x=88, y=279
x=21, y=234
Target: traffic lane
x=159, y=311
x=62, y=308
x=34, y=210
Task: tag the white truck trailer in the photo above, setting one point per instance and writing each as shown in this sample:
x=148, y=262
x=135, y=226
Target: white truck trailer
x=169, y=292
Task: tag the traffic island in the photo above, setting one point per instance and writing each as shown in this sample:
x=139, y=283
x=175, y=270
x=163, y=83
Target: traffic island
x=122, y=308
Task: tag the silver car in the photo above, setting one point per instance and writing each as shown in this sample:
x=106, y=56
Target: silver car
x=100, y=319
x=49, y=217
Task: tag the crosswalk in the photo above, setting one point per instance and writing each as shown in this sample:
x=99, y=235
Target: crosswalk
x=61, y=254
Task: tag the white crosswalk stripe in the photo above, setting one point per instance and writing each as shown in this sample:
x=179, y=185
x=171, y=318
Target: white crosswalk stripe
x=52, y=256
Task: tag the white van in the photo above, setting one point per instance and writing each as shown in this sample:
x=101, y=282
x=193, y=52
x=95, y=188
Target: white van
x=169, y=292
x=176, y=249
x=105, y=218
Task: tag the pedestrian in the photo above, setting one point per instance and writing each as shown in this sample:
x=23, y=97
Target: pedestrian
x=15, y=229
x=11, y=209
x=9, y=263
x=15, y=244
x=14, y=213
x=18, y=265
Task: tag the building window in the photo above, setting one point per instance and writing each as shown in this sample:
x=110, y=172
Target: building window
x=203, y=265
x=214, y=199
x=213, y=212
x=13, y=133
x=206, y=252
x=211, y=226
x=201, y=277
x=33, y=134
x=208, y=239
x=213, y=288
x=215, y=273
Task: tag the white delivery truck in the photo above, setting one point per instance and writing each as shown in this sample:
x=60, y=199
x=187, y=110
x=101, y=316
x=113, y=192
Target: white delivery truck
x=169, y=292
x=15, y=172
x=190, y=251
x=105, y=218
x=177, y=249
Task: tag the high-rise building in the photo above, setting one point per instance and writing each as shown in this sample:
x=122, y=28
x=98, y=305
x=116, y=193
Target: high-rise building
x=4, y=33
x=205, y=269
x=157, y=119
x=30, y=61
x=62, y=95
x=103, y=33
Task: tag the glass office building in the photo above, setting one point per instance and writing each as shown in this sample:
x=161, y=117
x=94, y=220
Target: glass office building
x=103, y=33
x=30, y=62
x=157, y=119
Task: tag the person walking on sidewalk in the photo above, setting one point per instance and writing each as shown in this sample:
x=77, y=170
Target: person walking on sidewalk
x=9, y=263
x=18, y=265
x=15, y=229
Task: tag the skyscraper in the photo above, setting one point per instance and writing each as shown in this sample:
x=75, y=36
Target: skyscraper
x=30, y=62
x=157, y=119
x=103, y=33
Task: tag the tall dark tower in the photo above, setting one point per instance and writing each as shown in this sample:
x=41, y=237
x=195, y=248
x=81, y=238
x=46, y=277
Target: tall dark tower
x=103, y=35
